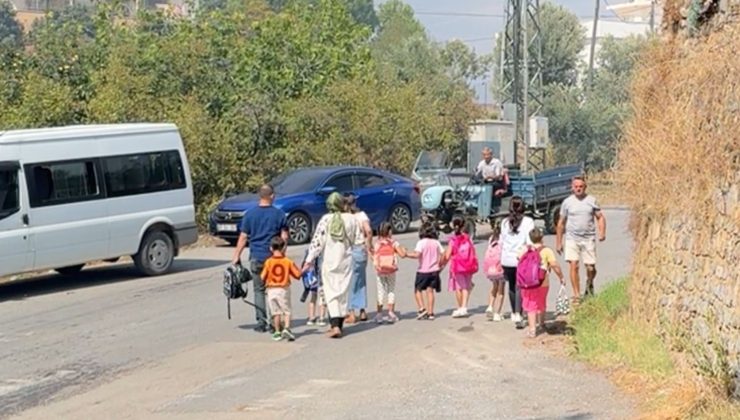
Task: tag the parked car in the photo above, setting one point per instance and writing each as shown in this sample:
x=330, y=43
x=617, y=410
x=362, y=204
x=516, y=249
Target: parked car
x=71, y=195
x=302, y=193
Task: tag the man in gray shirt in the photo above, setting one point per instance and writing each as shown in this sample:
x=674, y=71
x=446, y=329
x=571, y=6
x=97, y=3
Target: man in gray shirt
x=579, y=217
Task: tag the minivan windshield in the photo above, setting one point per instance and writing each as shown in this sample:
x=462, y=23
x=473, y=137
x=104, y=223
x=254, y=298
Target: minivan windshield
x=297, y=181
x=8, y=192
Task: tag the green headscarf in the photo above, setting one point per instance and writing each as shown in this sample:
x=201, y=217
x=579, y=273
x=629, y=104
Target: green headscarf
x=335, y=205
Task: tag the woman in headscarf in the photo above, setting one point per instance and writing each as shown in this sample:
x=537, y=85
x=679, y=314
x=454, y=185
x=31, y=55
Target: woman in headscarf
x=336, y=233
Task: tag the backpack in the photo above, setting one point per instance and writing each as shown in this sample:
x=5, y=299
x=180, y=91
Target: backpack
x=385, y=258
x=492, y=261
x=529, y=272
x=464, y=259
x=234, y=277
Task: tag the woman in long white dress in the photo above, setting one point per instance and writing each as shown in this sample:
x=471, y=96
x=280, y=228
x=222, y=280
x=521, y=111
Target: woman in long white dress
x=335, y=235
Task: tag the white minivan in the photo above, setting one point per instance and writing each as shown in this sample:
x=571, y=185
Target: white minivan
x=72, y=195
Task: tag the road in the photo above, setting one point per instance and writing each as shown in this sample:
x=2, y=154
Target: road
x=110, y=344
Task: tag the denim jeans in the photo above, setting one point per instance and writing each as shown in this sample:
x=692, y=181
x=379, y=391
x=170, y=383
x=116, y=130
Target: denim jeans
x=358, y=285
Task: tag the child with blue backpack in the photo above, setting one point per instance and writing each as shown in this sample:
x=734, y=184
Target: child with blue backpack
x=463, y=265
x=313, y=292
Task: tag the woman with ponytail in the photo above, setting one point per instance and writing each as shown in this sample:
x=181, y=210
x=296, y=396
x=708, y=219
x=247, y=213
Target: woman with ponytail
x=514, y=237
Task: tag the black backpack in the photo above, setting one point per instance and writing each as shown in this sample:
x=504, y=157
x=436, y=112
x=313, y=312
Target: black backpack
x=235, y=278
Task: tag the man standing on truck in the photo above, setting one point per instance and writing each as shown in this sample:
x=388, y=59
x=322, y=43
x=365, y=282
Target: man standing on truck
x=579, y=216
x=259, y=226
x=491, y=171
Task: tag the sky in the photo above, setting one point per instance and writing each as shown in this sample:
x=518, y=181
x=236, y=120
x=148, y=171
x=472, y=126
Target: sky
x=478, y=31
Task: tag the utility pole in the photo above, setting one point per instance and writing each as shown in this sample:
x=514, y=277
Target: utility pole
x=593, y=48
x=521, y=74
x=652, y=16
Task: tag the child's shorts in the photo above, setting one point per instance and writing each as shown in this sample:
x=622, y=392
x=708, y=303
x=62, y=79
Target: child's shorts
x=497, y=279
x=426, y=281
x=278, y=298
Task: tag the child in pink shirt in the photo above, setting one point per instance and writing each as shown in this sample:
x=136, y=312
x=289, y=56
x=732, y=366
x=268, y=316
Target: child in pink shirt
x=430, y=253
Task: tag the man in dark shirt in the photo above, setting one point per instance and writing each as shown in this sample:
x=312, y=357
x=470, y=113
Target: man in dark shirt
x=260, y=225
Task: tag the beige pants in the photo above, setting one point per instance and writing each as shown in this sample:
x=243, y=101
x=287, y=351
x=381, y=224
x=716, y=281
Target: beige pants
x=387, y=289
x=278, y=299
x=581, y=250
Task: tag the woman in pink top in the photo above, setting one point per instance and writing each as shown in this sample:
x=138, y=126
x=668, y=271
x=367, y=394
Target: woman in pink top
x=430, y=254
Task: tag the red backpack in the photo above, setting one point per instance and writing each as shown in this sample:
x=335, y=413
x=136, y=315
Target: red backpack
x=385, y=257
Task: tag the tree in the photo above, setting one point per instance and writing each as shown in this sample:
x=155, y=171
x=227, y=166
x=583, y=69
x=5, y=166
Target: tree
x=562, y=40
x=362, y=11
x=11, y=33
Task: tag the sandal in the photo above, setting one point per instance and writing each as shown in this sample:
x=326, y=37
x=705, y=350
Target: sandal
x=531, y=334
x=421, y=314
x=363, y=315
x=430, y=317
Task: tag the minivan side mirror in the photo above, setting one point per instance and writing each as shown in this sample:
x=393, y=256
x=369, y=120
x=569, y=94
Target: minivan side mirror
x=327, y=190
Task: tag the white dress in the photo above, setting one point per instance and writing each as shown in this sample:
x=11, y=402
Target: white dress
x=336, y=263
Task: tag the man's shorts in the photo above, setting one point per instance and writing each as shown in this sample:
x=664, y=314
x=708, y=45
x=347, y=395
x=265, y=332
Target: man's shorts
x=278, y=299
x=581, y=250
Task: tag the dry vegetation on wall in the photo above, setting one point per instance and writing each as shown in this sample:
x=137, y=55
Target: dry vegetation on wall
x=679, y=166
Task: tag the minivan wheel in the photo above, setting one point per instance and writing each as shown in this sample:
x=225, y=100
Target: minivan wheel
x=400, y=218
x=71, y=270
x=156, y=254
x=299, y=228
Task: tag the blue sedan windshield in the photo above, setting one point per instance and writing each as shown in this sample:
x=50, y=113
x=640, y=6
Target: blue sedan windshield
x=298, y=181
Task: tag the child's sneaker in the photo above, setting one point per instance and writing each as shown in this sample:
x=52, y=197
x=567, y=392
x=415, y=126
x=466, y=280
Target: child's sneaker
x=457, y=313
x=311, y=322
x=321, y=322
x=277, y=336
x=497, y=317
x=489, y=313
x=288, y=334
x=378, y=318
x=392, y=318
x=421, y=313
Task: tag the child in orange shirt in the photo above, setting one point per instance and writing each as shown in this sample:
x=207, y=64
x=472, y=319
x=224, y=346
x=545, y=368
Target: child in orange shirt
x=276, y=274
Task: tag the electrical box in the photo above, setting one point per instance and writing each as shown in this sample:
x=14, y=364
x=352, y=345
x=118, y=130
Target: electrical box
x=539, y=137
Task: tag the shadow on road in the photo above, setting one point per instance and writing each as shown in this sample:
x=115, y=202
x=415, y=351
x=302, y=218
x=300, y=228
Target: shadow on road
x=93, y=276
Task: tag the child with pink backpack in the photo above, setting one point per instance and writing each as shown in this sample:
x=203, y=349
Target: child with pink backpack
x=463, y=265
x=385, y=253
x=494, y=272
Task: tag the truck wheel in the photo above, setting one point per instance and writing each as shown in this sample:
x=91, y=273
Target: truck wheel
x=156, y=254
x=470, y=228
x=551, y=220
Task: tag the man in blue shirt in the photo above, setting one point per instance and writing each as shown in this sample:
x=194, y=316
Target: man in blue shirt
x=260, y=225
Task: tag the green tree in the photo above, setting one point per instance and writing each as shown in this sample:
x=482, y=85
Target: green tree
x=363, y=11
x=11, y=33
x=563, y=38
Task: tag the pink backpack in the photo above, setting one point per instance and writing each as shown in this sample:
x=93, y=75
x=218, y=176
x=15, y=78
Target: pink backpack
x=464, y=259
x=492, y=261
x=529, y=272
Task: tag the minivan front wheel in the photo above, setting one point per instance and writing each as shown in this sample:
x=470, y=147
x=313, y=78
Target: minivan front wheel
x=156, y=254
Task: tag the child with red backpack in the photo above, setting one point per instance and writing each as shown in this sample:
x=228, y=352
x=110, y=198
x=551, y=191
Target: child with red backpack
x=463, y=264
x=531, y=277
x=494, y=272
x=385, y=260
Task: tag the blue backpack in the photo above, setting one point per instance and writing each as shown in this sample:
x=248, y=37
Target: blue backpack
x=311, y=279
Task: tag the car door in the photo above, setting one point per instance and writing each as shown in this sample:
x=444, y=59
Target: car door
x=16, y=254
x=342, y=182
x=375, y=196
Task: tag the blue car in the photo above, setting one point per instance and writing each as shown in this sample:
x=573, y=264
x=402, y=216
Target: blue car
x=302, y=194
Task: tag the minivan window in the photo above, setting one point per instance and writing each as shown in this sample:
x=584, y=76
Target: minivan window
x=62, y=182
x=143, y=173
x=8, y=192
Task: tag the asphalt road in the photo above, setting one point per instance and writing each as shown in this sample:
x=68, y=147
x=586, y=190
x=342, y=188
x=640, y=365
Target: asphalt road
x=109, y=344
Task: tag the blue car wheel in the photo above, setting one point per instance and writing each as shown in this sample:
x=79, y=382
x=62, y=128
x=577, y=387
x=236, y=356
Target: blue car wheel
x=299, y=228
x=400, y=218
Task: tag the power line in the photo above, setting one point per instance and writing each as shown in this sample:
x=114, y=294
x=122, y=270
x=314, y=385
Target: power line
x=489, y=15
